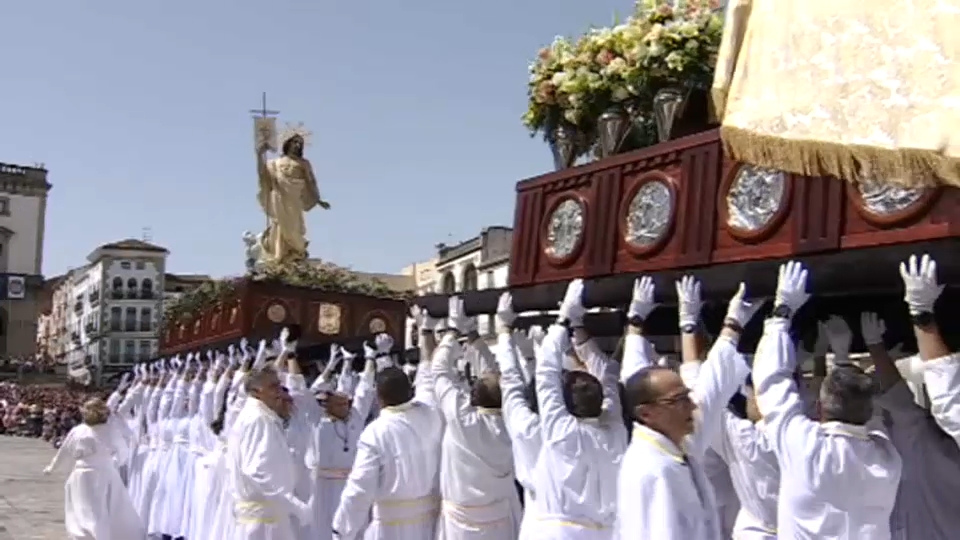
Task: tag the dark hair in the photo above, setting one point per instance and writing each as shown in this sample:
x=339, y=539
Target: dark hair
x=485, y=392
x=217, y=425
x=393, y=386
x=639, y=390
x=530, y=396
x=738, y=405
x=846, y=395
x=627, y=417
x=582, y=394
x=285, y=148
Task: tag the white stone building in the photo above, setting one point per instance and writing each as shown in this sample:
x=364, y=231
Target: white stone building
x=482, y=262
x=23, y=211
x=112, y=309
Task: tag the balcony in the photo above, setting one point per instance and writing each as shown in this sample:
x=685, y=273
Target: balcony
x=93, y=297
x=78, y=307
x=90, y=329
x=113, y=358
x=147, y=295
x=115, y=326
x=131, y=294
x=116, y=294
x=130, y=327
x=75, y=337
x=146, y=326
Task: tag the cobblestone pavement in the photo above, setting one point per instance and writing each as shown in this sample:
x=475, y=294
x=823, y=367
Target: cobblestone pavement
x=31, y=504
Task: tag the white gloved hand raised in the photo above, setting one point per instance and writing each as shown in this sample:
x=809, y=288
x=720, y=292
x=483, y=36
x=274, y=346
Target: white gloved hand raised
x=384, y=343
x=872, y=328
x=505, y=316
x=536, y=334
x=689, y=301
x=921, y=289
x=792, y=286
x=571, y=307
x=457, y=317
x=740, y=310
x=840, y=337
x=641, y=300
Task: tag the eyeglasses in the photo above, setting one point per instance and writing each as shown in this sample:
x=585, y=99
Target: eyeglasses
x=683, y=397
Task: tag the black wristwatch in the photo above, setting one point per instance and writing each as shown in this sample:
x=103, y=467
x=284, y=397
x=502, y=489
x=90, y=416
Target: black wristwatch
x=635, y=320
x=689, y=328
x=782, y=311
x=922, y=319
x=732, y=324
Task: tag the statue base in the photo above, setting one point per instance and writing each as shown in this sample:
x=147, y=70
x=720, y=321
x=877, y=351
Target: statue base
x=320, y=303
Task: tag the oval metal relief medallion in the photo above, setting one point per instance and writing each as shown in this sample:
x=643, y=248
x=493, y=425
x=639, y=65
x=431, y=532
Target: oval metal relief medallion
x=648, y=216
x=755, y=197
x=377, y=325
x=565, y=229
x=276, y=313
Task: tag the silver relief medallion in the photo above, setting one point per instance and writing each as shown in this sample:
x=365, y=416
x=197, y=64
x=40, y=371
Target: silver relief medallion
x=565, y=229
x=648, y=216
x=754, y=198
x=884, y=199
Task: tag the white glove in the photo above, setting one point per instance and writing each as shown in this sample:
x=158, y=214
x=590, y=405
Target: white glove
x=839, y=335
x=689, y=301
x=522, y=342
x=287, y=346
x=262, y=352
x=571, y=307
x=368, y=352
x=872, y=328
x=536, y=334
x=792, y=286
x=47, y=471
x=232, y=355
x=741, y=310
x=641, y=303
x=457, y=317
x=920, y=284
x=334, y=352
x=384, y=343
x=124, y=382
x=349, y=356
x=505, y=316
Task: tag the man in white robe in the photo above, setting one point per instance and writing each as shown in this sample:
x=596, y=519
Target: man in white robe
x=480, y=500
x=837, y=478
x=394, y=480
x=261, y=474
x=676, y=418
x=584, y=438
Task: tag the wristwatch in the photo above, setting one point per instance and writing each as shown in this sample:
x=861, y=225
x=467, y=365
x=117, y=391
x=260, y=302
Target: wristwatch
x=635, y=320
x=922, y=319
x=733, y=325
x=689, y=328
x=782, y=311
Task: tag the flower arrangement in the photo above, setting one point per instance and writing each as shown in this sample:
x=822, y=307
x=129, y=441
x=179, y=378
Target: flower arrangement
x=324, y=277
x=680, y=43
x=574, y=82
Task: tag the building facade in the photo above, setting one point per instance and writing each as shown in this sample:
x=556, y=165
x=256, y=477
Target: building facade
x=105, y=315
x=482, y=262
x=23, y=212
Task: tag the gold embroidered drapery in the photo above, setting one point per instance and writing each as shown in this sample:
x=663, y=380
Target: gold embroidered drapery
x=849, y=88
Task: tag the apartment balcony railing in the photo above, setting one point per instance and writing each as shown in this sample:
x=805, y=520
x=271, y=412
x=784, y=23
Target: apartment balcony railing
x=116, y=294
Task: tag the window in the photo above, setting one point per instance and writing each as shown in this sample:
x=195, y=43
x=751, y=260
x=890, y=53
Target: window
x=491, y=281
x=4, y=206
x=116, y=314
x=117, y=283
x=470, y=278
x=130, y=320
x=449, y=283
x=145, y=319
x=1, y=249
x=145, y=350
x=125, y=265
x=130, y=351
x=146, y=288
x=140, y=265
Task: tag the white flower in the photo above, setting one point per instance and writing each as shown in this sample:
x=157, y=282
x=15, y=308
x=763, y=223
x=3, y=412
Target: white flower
x=559, y=78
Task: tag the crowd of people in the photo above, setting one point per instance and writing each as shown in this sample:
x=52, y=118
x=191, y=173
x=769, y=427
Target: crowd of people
x=550, y=439
x=46, y=412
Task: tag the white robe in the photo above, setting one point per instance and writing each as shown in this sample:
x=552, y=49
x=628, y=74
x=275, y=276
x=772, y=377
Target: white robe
x=678, y=502
x=575, y=477
x=480, y=500
x=262, y=476
x=836, y=480
x=521, y=423
x=395, y=474
x=96, y=503
x=331, y=453
x=942, y=377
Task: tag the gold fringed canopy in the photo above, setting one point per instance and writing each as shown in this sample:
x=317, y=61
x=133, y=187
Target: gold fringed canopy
x=849, y=88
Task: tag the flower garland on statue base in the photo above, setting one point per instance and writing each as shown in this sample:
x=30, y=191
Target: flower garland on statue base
x=317, y=276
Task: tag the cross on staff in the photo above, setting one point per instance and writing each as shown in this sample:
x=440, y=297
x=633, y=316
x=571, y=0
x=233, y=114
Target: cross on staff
x=263, y=112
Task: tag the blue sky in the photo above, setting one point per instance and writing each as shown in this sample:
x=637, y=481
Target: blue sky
x=139, y=111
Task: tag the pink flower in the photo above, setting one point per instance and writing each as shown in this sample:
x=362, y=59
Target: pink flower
x=605, y=57
x=544, y=53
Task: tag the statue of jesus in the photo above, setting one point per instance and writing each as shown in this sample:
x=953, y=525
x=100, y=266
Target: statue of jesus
x=288, y=189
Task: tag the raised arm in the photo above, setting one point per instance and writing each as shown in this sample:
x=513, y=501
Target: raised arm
x=520, y=421
x=942, y=373
x=452, y=398
x=555, y=420
x=638, y=352
x=364, y=395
